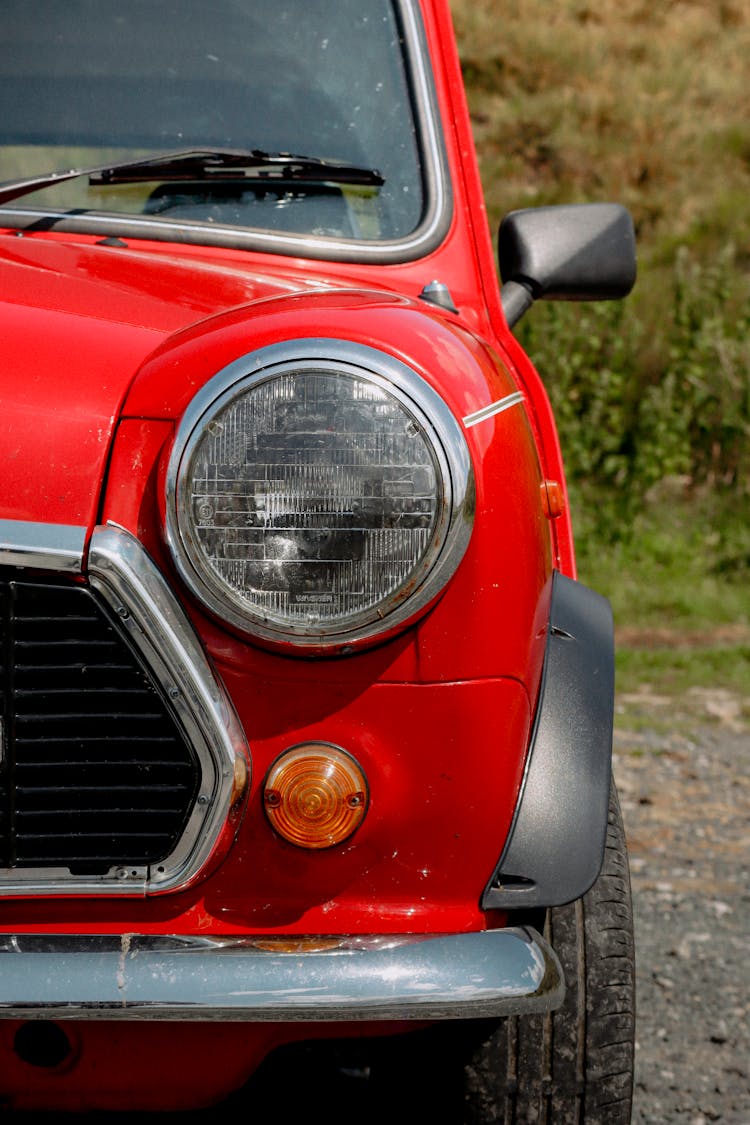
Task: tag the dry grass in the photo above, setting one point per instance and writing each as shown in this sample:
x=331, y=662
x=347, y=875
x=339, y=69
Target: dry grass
x=647, y=103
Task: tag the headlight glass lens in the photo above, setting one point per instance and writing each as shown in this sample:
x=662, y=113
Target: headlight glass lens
x=311, y=497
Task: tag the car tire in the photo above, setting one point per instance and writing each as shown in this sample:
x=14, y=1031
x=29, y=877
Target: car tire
x=570, y=1067
x=573, y=1066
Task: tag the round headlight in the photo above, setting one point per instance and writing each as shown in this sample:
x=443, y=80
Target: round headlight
x=319, y=493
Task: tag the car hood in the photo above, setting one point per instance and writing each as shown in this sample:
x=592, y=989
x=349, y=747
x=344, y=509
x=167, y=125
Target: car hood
x=77, y=321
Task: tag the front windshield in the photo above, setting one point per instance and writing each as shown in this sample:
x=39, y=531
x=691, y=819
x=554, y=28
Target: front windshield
x=83, y=82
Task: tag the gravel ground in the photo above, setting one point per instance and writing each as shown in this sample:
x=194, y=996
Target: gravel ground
x=683, y=772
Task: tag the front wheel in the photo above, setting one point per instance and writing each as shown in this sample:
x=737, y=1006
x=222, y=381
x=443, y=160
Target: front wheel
x=569, y=1067
x=573, y=1066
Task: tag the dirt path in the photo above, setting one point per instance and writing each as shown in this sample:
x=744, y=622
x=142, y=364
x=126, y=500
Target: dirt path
x=685, y=789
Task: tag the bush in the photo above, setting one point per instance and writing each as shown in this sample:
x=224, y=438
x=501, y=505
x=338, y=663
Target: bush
x=649, y=399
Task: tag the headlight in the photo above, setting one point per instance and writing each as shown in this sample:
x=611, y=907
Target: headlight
x=319, y=494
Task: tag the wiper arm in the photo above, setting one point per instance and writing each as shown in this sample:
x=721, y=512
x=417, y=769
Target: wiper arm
x=203, y=165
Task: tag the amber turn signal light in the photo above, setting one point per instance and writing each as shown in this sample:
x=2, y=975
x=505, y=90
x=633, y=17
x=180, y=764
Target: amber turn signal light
x=553, y=499
x=315, y=795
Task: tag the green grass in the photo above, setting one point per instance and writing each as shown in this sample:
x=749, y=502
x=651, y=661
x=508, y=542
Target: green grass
x=679, y=625
x=667, y=574
x=670, y=671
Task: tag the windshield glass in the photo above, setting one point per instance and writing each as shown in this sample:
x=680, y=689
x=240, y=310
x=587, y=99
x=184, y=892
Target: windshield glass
x=83, y=82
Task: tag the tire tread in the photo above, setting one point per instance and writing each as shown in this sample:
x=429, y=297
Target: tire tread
x=574, y=1067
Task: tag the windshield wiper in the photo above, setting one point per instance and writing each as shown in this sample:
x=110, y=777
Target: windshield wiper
x=203, y=165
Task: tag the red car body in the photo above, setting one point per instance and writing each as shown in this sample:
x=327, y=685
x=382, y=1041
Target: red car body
x=108, y=337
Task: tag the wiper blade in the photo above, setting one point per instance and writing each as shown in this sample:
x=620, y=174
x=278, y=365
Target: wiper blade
x=205, y=165
x=236, y=164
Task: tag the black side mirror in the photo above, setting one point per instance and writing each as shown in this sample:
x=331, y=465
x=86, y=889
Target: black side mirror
x=580, y=252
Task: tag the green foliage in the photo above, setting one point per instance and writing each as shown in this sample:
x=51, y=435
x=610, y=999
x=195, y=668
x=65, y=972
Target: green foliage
x=654, y=410
x=710, y=363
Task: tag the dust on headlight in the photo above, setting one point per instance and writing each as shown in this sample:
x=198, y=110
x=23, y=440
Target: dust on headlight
x=314, y=496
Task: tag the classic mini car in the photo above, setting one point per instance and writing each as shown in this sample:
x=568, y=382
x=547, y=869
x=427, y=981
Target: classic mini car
x=305, y=771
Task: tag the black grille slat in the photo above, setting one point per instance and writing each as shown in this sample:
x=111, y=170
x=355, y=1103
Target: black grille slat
x=26, y=792
x=105, y=691
x=134, y=752
x=53, y=815
x=92, y=715
x=71, y=763
x=96, y=773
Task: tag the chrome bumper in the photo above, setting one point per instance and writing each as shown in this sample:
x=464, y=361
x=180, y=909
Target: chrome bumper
x=399, y=977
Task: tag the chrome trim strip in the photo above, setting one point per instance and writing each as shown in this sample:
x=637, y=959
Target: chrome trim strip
x=424, y=239
x=401, y=977
x=432, y=414
x=493, y=409
x=122, y=572
x=43, y=546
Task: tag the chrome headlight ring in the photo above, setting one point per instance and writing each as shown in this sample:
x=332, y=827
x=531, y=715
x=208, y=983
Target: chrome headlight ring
x=320, y=494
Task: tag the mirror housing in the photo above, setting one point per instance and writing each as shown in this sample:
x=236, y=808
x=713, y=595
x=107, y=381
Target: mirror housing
x=578, y=252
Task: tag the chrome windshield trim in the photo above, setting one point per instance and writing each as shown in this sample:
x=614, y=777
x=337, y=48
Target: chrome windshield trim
x=423, y=240
x=382, y=977
x=43, y=546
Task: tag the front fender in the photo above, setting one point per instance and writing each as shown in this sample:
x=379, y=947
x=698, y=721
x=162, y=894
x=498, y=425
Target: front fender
x=556, y=843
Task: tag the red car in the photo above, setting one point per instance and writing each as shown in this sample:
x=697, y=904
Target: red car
x=305, y=742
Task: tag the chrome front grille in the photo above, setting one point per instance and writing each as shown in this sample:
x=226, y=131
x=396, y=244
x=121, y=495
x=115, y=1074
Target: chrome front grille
x=123, y=766
x=96, y=773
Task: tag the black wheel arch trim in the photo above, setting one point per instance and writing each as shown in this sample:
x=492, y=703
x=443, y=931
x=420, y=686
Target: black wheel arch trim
x=555, y=846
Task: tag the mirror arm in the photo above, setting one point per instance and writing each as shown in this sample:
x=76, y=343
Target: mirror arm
x=516, y=299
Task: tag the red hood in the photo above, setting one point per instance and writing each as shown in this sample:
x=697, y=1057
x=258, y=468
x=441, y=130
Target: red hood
x=77, y=320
